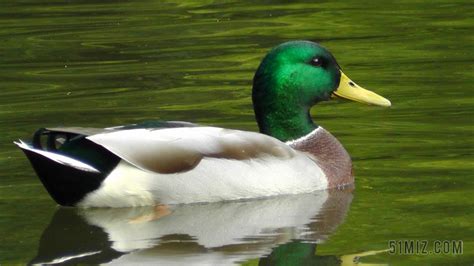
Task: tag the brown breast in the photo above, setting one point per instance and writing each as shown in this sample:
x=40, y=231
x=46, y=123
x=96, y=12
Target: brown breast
x=329, y=154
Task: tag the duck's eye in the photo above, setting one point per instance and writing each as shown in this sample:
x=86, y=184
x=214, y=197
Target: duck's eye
x=317, y=61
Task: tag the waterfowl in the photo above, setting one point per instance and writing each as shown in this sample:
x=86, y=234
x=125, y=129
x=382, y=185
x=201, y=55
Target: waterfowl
x=179, y=162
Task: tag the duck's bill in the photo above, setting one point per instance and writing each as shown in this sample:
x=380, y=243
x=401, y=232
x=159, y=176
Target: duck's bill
x=350, y=90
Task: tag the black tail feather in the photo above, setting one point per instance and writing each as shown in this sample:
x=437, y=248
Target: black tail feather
x=68, y=185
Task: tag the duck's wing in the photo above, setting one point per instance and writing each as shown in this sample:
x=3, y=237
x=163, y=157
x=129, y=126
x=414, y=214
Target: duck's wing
x=88, y=131
x=179, y=149
x=155, y=125
x=57, y=136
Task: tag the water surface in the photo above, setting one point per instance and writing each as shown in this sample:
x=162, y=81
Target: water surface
x=105, y=63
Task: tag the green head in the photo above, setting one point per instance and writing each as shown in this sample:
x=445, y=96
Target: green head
x=290, y=80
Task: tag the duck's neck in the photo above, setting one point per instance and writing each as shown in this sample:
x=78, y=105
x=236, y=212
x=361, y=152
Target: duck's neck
x=284, y=120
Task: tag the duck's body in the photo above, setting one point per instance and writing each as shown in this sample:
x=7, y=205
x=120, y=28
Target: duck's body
x=148, y=166
x=179, y=162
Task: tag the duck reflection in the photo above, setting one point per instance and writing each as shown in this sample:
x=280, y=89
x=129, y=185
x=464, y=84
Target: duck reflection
x=273, y=229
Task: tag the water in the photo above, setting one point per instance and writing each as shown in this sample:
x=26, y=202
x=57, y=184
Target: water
x=101, y=63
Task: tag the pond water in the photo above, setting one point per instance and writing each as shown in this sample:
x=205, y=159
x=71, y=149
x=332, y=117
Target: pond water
x=105, y=63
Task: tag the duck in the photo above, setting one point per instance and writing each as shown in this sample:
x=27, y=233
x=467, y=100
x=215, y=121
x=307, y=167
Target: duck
x=176, y=162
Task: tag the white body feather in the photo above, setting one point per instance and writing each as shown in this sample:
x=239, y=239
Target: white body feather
x=275, y=171
x=212, y=180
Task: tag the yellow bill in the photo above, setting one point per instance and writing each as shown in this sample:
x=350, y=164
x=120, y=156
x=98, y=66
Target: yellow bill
x=349, y=90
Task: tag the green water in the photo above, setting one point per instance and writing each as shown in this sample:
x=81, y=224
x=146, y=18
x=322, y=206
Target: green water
x=104, y=63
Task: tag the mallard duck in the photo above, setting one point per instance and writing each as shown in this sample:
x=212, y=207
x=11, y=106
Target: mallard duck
x=179, y=162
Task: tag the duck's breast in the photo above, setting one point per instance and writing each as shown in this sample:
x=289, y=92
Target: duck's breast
x=329, y=154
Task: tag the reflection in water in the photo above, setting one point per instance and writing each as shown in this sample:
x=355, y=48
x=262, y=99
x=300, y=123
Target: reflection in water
x=274, y=229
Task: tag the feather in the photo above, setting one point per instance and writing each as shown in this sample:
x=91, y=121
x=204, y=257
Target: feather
x=68, y=161
x=174, y=150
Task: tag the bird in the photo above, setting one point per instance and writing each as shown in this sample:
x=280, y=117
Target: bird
x=176, y=162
